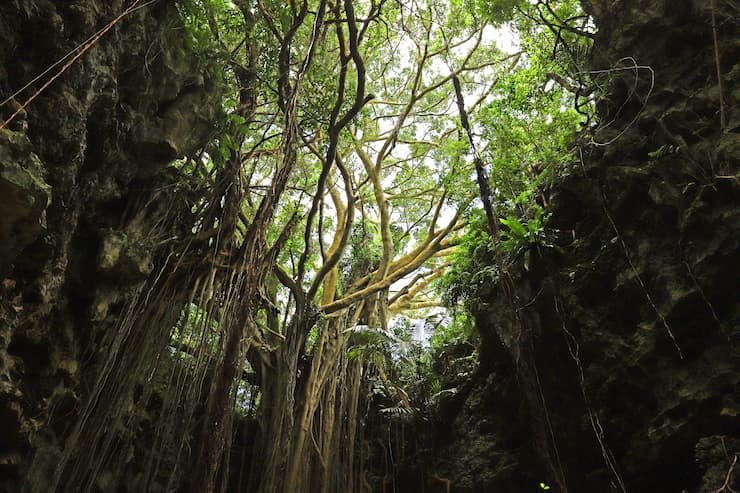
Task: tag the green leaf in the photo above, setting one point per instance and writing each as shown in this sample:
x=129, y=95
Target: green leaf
x=238, y=119
x=516, y=228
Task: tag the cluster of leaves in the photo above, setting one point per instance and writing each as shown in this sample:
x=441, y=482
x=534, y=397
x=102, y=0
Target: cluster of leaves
x=414, y=377
x=473, y=265
x=530, y=128
x=201, y=17
x=364, y=252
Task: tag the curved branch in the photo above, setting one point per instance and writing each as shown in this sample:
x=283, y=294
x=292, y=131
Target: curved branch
x=336, y=128
x=402, y=269
x=338, y=247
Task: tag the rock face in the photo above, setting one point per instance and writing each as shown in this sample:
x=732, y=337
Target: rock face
x=87, y=200
x=626, y=359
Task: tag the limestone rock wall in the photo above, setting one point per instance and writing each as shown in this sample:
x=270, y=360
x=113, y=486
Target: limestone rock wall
x=627, y=365
x=87, y=200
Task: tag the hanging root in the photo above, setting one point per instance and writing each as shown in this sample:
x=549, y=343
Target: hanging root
x=720, y=81
x=444, y=481
x=726, y=487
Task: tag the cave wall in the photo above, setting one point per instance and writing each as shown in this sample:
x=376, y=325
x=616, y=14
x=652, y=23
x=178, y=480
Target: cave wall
x=88, y=201
x=625, y=368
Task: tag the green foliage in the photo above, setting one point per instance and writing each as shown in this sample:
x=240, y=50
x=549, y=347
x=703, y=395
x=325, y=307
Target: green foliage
x=197, y=15
x=427, y=376
x=529, y=128
x=473, y=264
x=248, y=398
x=498, y=11
x=364, y=340
x=519, y=235
x=364, y=252
x=458, y=330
